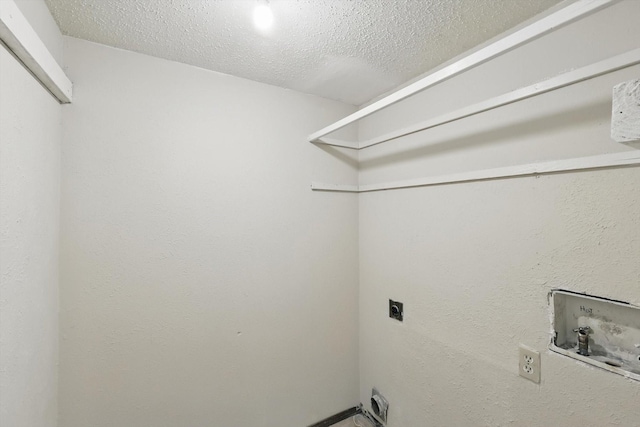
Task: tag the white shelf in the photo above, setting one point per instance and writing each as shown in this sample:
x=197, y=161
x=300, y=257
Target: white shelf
x=603, y=161
x=560, y=81
x=572, y=12
x=23, y=41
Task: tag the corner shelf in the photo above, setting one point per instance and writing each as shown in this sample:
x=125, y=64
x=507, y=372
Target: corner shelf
x=570, y=13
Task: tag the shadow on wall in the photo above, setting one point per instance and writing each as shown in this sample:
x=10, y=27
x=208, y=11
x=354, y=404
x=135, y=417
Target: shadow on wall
x=338, y=154
x=504, y=134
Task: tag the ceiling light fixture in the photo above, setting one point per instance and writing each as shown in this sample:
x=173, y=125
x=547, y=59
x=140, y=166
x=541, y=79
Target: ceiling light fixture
x=263, y=16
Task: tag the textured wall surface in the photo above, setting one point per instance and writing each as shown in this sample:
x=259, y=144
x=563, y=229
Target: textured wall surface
x=202, y=282
x=30, y=135
x=474, y=262
x=351, y=50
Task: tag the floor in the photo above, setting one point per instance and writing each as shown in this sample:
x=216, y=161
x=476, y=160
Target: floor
x=349, y=422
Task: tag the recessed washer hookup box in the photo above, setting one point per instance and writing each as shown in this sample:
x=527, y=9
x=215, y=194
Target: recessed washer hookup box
x=598, y=331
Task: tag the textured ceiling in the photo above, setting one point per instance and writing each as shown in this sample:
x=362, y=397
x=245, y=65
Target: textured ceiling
x=348, y=50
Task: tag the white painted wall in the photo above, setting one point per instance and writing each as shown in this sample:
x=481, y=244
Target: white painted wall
x=474, y=262
x=202, y=282
x=30, y=136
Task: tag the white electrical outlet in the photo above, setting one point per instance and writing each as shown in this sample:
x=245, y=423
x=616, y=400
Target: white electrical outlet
x=529, y=364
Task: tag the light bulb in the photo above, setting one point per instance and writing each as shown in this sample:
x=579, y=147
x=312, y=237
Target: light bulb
x=263, y=17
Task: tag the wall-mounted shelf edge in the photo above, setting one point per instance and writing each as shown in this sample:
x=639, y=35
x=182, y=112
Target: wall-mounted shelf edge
x=341, y=188
x=572, y=12
x=338, y=143
x=21, y=39
x=603, y=161
x=578, y=75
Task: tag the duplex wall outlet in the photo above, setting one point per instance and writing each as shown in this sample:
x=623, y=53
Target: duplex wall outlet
x=529, y=366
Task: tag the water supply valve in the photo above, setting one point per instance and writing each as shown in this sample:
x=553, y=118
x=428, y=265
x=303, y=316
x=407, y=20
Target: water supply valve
x=583, y=339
